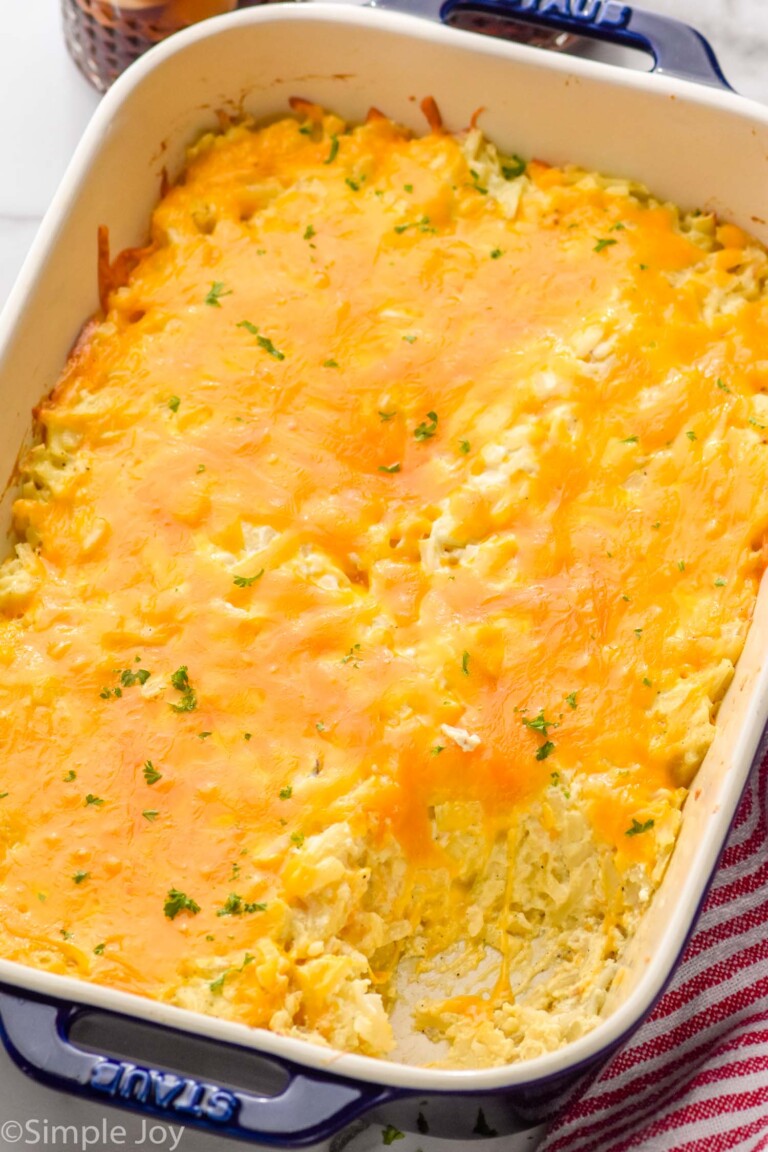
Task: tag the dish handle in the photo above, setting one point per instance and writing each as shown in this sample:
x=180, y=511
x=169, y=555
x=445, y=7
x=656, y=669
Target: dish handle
x=310, y=1108
x=677, y=49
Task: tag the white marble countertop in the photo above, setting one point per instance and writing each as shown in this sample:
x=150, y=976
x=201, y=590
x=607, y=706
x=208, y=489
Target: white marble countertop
x=44, y=107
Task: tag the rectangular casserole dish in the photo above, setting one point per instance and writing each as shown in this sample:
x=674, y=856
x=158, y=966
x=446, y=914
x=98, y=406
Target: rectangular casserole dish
x=560, y=110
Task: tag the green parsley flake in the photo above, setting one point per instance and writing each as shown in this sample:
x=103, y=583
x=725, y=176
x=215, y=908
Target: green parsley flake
x=647, y=682
x=286, y=793
x=247, y=735
x=390, y=468
x=129, y=678
x=539, y=723
x=427, y=429
x=630, y=440
x=80, y=876
x=217, y=290
x=545, y=750
x=94, y=801
x=297, y=838
x=438, y=748
x=353, y=654
x=150, y=814
x=603, y=244
x=465, y=663
x=330, y=364
x=99, y=950
x=68, y=777
x=334, y=150
x=173, y=403
x=571, y=699
x=637, y=827
x=385, y=417
x=309, y=232
x=151, y=774
x=618, y=227
x=723, y=387
x=513, y=168
x=353, y=184
x=410, y=339
x=236, y=906
x=217, y=984
x=180, y=681
x=496, y=253
x=177, y=902
x=247, y=581
x=204, y=735
x=691, y=435
x=320, y=726
x=464, y=446
x=408, y=187
x=390, y=1134
x=200, y=468
x=720, y=583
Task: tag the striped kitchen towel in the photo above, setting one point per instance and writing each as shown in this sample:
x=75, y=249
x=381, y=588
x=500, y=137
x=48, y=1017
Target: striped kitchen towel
x=695, y=1077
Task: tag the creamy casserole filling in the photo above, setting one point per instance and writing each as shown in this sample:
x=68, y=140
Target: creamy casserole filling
x=386, y=549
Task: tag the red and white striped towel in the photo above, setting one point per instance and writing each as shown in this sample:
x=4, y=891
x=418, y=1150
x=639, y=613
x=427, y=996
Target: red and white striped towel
x=694, y=1078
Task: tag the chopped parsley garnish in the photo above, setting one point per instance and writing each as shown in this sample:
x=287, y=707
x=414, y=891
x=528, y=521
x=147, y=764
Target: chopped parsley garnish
x=410, y=339
x=150, y=814
x=408, y=187
x=353, y=184
x=427, y=429
x=390, y=468
x=306, y=129
x=173, y=403
x=200, y=468
x=465, y=663
x=330, y=364
x=320, y=726
x=286, y=793
x=217, y=290
x=723, y=387
x=514, y=168
x=390, y=1134
x=647, y=682
x=65, y=935
x=247, y=581
x=204, y=735
x=571, y=699
x=637, y=827
x=638, y=631
x=539, y=723
x=68, y=777
x=755, y=424
x=3, y=795
x=387, y=416
x=179, y=902
x=438, y=748
x=334, y=150
x=80, y=876
x=262, y=341
x=298, y=839
x=464, y=446
x=236, y=906
x=720, y=583
x=128, y=677
x=151, y=774
x=423, y=225
x=309, y=232
x=545, y=750
x=95, y=801
x=657, y=524
x=180, y=681
x=353, y=654
x=691, y=434
x=496, y=253
x=247, y=735
x=99, y=950
x=603, y=244
x=630, y=440
x=217, y=984
x=619, y=227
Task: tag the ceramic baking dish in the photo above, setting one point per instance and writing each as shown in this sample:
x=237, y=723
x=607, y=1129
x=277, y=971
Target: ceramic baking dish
x=698, y=144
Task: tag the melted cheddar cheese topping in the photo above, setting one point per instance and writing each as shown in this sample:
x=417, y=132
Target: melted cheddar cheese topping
x=386, y=551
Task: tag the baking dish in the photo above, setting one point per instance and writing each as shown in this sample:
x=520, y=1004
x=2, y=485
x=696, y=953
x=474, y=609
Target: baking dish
x=553, y=108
